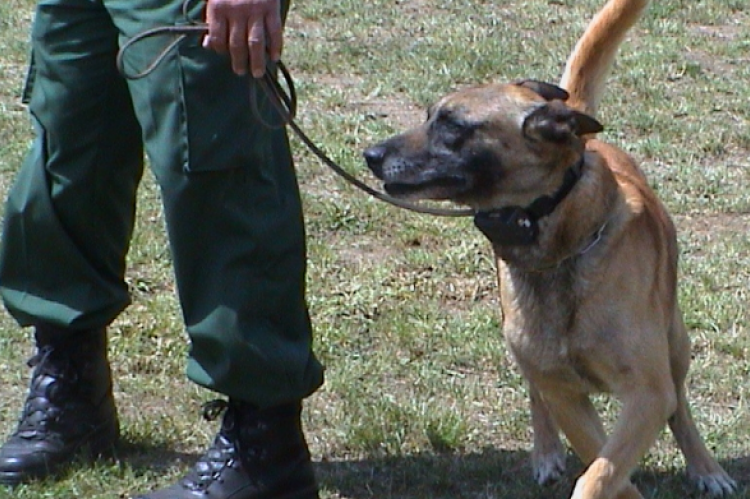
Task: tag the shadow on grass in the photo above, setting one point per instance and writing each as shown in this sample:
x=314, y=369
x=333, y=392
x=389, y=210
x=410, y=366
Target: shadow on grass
x=491, y=473
x=488, y=474
x=147, y=457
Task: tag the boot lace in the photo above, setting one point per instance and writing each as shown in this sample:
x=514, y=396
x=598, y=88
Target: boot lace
x=228, y=450
x=221, y=455
x=51, y=379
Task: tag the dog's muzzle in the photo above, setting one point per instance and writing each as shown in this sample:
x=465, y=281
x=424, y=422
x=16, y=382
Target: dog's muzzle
x=375, y=159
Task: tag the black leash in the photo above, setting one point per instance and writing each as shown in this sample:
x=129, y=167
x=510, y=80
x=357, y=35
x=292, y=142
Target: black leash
x=285, y=103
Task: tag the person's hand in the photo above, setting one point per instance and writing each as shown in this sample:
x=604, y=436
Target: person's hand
x=250, y=30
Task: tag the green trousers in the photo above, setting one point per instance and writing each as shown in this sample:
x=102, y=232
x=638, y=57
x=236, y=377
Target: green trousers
x=228, y=186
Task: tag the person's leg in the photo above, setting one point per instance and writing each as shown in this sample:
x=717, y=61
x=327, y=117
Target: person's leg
x=68, y=222
x=69, y=214
x=235, y=227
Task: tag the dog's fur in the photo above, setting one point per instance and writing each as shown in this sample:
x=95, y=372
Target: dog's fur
x=589, y=300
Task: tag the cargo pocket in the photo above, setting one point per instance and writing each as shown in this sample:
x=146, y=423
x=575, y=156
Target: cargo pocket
x=221, y=130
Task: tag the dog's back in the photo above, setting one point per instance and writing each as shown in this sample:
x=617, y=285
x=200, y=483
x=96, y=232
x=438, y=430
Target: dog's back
x=584, y=78
x=647, y=221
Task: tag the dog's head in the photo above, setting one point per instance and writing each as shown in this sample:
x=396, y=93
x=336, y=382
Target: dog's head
x=485, y=147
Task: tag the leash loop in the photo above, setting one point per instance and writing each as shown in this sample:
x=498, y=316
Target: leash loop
x=180, y=31
x=285, y=103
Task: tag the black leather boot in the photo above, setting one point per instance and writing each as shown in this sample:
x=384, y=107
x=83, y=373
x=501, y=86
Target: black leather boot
x=69, y=412
x=256, y=455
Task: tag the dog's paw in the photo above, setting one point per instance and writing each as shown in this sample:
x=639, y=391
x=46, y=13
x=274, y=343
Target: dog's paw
x=717, y=484
x=549, y=467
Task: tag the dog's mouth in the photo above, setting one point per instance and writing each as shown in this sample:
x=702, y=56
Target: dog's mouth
x=437, y=188
x=418, y=177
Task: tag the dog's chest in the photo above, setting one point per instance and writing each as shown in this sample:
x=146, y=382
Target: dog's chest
x=545, y=327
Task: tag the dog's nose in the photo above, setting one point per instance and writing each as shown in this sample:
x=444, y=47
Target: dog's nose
x=374, y=156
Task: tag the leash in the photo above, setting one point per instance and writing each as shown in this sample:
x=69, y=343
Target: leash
x=285, y=103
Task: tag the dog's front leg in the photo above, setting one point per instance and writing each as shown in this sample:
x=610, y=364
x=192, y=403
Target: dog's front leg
x=578, y=419
x=646, y=407
x=548, y=454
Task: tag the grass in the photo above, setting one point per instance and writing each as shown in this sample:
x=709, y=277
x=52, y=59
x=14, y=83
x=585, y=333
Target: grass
x=421, y=400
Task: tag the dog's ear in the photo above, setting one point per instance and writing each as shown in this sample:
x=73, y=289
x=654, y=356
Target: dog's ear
x=547, y=91
x=556, y=122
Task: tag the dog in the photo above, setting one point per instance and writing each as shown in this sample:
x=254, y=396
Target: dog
x=586, y=259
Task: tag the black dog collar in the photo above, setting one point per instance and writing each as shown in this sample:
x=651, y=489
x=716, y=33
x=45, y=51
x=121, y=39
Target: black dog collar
x=518, y=226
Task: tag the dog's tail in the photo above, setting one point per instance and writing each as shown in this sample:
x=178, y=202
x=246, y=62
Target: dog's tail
x=589, y=64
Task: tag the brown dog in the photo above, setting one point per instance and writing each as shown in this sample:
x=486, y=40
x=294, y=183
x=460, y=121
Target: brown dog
x=586, y=256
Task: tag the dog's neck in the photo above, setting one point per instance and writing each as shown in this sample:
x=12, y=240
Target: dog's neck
x=580, y=220
x=518, y=226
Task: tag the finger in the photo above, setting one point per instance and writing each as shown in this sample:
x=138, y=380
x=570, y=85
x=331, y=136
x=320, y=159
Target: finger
x=256, y=42
x=274, y=35
x=238, y=49
x=216, y=38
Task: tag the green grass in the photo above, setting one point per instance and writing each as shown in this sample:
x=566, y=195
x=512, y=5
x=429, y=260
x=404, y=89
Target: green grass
x=421, y=400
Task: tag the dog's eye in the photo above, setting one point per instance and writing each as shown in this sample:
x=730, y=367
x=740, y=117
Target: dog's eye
x=451, y=131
